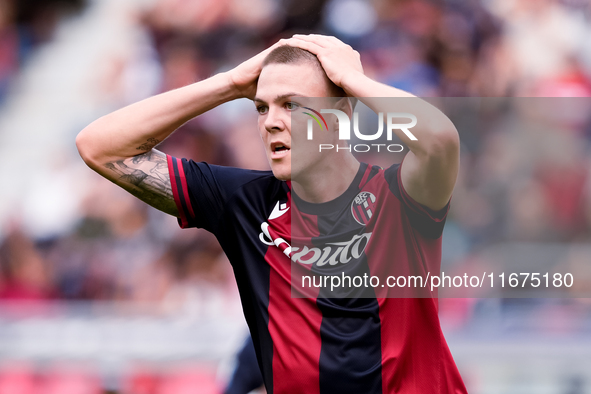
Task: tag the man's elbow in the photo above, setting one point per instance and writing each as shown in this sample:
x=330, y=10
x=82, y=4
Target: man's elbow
x=85, y=144
x=447, y=142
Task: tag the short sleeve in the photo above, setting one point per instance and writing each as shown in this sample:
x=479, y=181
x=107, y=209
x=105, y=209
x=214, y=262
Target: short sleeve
x=201, y=190
x=426, y=221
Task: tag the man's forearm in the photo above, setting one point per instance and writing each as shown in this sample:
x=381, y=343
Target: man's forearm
x=137, y=128
x=432, y=127
x=430, y=169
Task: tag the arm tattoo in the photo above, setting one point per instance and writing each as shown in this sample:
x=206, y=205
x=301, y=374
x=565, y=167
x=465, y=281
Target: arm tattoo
x=160, y=170
x=149, y=144
x=146, y=177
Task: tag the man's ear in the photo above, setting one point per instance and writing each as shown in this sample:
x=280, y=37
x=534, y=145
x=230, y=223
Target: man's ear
x=344, y=104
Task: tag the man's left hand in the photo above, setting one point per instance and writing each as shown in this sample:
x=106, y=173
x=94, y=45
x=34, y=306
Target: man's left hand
x=338, y=59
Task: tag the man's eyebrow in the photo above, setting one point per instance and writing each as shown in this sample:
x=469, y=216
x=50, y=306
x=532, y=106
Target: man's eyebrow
x=281, y=97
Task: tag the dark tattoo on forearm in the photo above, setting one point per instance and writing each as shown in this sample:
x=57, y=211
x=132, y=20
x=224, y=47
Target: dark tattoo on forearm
x=160, y=170
x=146, y=177
x=149, y=144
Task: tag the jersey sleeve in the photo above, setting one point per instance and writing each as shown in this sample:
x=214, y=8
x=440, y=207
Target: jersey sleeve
x=201, y=190
x=426, y=221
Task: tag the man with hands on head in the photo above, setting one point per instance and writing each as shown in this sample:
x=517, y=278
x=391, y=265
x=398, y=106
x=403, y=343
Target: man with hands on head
x=311, y=344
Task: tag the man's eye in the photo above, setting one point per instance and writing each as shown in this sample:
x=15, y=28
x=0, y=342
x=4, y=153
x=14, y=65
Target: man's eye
x=291, y=105
x=262, y=109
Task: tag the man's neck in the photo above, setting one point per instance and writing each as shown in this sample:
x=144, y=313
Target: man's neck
x=328, y=182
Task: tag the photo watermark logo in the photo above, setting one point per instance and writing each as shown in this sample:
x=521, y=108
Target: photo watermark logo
x=345, y=130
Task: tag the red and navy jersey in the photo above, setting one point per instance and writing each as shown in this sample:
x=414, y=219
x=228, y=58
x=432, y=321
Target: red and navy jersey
x=363, y=340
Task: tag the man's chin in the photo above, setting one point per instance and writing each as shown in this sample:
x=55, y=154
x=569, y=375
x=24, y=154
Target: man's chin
x=281, y=168
x=282, y=176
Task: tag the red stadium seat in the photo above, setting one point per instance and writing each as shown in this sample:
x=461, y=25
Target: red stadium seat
x=17, y=379
x=194, y=380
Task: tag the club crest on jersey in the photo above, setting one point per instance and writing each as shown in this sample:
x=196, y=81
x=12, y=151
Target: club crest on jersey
x=362, y=207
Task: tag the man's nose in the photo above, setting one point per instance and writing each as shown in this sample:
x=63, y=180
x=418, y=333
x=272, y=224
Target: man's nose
x=274, y=120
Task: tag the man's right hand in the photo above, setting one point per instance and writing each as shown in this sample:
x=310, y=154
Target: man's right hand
x=243, y=78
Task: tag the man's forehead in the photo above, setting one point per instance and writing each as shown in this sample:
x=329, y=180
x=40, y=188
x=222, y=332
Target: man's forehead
x=302, y=78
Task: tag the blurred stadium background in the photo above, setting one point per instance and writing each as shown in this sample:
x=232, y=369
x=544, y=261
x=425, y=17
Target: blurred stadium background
x=100, y=293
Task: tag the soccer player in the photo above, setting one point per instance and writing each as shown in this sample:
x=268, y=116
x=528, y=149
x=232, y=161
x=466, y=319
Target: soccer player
x=316, y=343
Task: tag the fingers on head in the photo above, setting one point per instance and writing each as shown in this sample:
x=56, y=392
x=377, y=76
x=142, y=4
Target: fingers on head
x=321, y=40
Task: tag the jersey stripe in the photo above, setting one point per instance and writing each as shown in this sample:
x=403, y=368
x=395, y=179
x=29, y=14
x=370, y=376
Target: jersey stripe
x=365, y=176
x=185, y=189
x=351, y=357
x=294, y=325
x=177, y=192
x=180, y=191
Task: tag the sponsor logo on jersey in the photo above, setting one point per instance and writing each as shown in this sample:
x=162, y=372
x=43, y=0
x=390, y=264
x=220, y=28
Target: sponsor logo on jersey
x=331, y=253
x=363, y=207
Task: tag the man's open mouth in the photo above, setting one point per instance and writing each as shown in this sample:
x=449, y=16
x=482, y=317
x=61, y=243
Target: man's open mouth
x=279, y=150
x=277, y=147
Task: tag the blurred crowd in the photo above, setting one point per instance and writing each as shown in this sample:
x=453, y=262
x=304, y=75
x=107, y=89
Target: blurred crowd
x=24, y=25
